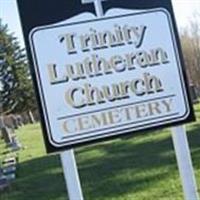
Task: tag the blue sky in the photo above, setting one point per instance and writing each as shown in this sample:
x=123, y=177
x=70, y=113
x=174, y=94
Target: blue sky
x=9, y=15
x=184, y=10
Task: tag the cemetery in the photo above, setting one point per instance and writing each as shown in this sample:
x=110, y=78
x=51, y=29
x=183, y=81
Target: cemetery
x=101, y=104
x=8, y=161
x=10, y=146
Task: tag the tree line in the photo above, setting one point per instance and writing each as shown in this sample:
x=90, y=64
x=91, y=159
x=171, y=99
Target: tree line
x=190, y=39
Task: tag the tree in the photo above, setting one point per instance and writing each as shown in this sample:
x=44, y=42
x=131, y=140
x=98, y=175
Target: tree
x=190, y=39
x=16, y=86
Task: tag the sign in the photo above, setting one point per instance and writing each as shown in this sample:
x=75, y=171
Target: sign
x=99, y=78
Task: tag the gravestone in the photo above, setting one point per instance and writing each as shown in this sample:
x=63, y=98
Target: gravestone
x=9, y=172
x=15, y=145
x=15, y=122
x=7, y=135
x=9, y=162
x=1, y=135
x=1, y=122
x=27, y=118
x=31, y=117
x=24, y=118
x=193, y=92
x=7, y=121
x=19, y=120
x=36, y=115
x=10, y=121
x=3, y=183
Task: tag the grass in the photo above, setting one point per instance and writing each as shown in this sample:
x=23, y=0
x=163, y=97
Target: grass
x=142, y=167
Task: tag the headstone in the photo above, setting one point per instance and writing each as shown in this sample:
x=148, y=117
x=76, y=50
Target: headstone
x=19, y=120
x=193, y=92
x=10, y=121
x=1, y=136
x=15, y=145
x=1, y=121
x=11, y=140
x=3, y=183
x=22, y=118
x=9, y=162
x=9, y=173
x=9, y=170
x=10, y=176
x=15, y=122
x=7, y=135
x=25, y=118
x=31, y=117
x=36, y=115
x=7, y=121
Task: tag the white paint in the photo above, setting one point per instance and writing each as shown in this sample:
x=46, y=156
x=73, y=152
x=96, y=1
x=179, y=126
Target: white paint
x=71, y=175
x=184, y=163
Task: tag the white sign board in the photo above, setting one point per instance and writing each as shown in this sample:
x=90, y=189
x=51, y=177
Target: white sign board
x=105, y=77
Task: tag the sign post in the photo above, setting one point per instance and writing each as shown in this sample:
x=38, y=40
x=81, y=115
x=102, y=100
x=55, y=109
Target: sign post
x=67, y=157
x=71, y=175
x=184, y=163
x=97, y=5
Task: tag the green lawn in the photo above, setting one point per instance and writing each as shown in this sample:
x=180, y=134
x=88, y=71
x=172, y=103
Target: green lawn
x=139, y=168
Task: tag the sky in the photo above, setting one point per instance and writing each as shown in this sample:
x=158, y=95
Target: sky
x=184, y=10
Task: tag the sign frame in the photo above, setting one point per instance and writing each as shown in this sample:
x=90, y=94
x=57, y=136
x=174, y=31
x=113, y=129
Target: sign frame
x=53, y=148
